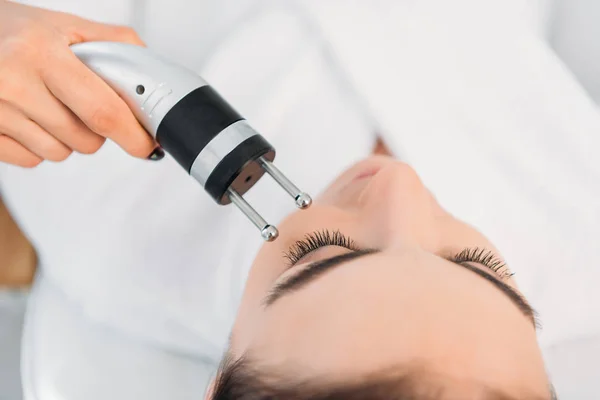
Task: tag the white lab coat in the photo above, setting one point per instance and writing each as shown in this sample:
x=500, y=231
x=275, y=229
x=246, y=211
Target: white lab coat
x=141, y=273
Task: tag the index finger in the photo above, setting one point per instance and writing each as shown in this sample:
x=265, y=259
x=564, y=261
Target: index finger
x=95, y=103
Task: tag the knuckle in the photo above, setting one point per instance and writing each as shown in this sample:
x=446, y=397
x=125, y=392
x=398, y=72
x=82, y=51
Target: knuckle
x=10, y=87
x=104, y=119
x=6, y=86
x=17, y=49
x=26, y=41
x=25, y=26
x=127, y=34
x=19, y=56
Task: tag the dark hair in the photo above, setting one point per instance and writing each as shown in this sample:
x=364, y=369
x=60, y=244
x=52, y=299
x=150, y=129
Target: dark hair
x=239, y=380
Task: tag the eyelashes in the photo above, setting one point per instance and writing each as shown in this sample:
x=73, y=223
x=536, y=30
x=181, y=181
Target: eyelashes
x=484, y=257
x=314, y=241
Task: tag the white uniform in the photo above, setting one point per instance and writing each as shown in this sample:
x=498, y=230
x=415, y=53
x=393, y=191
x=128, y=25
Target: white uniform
x=141, y=272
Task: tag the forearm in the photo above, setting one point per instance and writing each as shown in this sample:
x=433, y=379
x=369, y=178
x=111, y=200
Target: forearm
x=17, y=256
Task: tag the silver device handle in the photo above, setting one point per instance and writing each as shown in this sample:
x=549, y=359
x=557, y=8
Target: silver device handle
x=148, y=83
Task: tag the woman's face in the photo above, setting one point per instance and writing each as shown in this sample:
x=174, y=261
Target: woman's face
x=382, y=292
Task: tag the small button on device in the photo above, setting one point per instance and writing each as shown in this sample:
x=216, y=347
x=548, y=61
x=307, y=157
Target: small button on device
x=161, y=91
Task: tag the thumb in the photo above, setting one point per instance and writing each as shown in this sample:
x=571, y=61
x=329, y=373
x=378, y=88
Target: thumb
x=90, y=31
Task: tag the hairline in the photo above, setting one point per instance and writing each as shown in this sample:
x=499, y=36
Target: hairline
x=414, y=378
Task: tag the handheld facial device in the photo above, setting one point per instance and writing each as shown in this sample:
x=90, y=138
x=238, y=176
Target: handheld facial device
x=193, y=123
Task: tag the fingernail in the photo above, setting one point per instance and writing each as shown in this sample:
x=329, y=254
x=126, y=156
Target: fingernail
x=157, y=154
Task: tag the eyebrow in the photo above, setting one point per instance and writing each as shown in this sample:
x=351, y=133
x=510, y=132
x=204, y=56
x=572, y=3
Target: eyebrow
x=319, y=268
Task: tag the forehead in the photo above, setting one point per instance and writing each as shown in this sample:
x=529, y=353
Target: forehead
x=395, y=307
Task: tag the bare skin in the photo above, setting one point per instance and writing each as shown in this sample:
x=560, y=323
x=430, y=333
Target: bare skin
x=51, y=104
x=19, y=260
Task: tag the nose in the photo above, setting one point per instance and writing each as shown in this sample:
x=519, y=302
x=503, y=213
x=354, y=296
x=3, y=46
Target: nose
x=397, y=206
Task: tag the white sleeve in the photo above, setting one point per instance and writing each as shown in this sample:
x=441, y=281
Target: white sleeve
x=12, y=311
x=66, y=355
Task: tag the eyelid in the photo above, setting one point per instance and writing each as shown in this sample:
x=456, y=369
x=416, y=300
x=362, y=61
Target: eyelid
x=483, y=257
x=313, y=256
x=315, y=241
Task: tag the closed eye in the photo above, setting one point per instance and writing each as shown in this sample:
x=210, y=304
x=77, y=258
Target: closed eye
x=316, y=240
x=319, y=239
x=317, y=269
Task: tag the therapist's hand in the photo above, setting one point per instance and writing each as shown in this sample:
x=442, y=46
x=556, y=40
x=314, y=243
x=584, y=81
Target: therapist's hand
x=51, y=104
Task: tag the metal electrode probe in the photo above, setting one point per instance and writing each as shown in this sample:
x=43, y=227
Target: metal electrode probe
x=193, y=123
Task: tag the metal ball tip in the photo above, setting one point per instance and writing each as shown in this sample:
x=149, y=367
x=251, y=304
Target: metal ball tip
x=303, y=200
x=269, y=233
